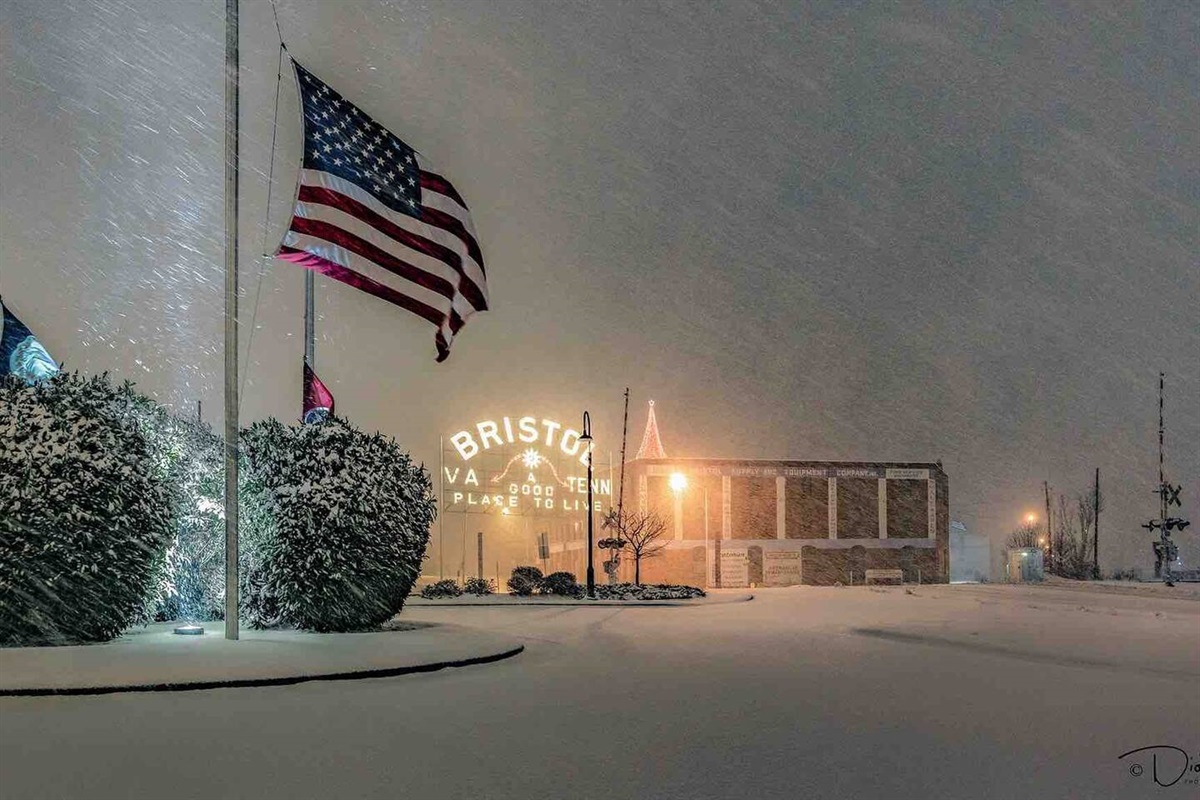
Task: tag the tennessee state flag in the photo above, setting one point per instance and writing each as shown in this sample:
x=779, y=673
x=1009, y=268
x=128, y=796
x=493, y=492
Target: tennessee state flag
x=318, y=400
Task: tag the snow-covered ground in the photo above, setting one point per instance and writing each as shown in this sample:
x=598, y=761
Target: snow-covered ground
x=154, y=656
x=888, y=692
x=501, y=599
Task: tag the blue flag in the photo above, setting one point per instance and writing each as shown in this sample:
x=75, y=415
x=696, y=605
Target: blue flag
x=21, y=354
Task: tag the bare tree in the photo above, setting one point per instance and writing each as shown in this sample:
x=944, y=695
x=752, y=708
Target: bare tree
x=1024, y=536
x=640, y=531
x=1074, y=543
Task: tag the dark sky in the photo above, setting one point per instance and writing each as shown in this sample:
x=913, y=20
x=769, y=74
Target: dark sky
x=811, y=230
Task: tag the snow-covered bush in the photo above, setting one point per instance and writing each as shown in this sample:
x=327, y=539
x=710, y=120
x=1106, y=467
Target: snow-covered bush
x=562, y=584
x=190, y=584
x=479, y=586
x=345, y=521
x=258, y=604
x=85, y=517
x=443, y=588
x=524, y=581
x=632, y=591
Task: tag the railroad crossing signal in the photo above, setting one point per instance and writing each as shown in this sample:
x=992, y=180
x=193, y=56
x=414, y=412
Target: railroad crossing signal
x=1168, y=524
x=1171, y=494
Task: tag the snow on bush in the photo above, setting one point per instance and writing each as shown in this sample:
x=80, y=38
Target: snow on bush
x=631, y=591
x=524, y=581
x=345, y=518
x=258, y=603
x=443, y=588
x=562, y=584
x=190, y=585
x=479, y=586
x=85, y=517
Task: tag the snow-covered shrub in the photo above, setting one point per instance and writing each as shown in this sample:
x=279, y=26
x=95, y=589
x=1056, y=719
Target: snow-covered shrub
x=258, y=603
x=443, y=588
x=346, y=522
x=479, y=586
x=190, y=583
x=85, y=517
x=524, y=581
x=632, y=591
x=562, y=584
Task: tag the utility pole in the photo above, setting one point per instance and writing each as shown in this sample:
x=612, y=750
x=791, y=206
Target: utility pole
x=612, y=564
x=1096, y=528
x=231, y=320
x=621, y=484
x=441, y=508
x=479, y=549
x=1049, y=531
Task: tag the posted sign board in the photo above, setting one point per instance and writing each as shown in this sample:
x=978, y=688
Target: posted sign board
x=781, y=568
x=735, y=566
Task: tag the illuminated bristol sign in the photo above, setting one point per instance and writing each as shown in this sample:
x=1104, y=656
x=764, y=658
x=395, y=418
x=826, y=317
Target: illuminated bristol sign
x=521, y=466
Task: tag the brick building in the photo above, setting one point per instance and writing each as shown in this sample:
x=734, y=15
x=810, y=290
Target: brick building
x=778, y=523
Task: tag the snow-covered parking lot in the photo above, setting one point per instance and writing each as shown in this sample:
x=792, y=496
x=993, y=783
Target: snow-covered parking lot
x=935, y=691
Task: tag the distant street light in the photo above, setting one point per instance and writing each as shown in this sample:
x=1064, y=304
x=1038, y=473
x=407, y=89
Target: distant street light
x=1030, y=519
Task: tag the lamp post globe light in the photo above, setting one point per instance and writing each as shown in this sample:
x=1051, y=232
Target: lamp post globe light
x=678, y=483
x=586, y=438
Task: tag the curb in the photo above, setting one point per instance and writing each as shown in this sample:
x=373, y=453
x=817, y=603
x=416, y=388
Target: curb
x=241, y=683
x=585, y=604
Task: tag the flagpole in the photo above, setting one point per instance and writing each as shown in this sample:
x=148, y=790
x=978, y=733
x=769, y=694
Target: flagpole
x=310, y=344
x=310, y=320
x=231, y=321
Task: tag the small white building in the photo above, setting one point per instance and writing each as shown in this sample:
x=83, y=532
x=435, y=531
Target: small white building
x=1024, y=565
x=969, y=556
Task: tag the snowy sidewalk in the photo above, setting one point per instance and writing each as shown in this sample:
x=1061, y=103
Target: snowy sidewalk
x=715, y=597
x=155, y=659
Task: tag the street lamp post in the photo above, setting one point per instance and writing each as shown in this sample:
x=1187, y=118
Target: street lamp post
x=678, y=483
x=706, y=556
x=586, y=438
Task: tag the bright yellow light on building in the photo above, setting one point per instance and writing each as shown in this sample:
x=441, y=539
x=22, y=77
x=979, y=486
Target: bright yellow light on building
x=678, y=482
x=1030, y=519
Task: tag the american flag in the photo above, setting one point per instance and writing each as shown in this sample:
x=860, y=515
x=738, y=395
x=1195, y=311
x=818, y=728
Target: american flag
x=371, y=212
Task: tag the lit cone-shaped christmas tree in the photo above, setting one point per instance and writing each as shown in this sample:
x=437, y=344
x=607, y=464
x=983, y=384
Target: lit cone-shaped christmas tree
x=651, y=444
